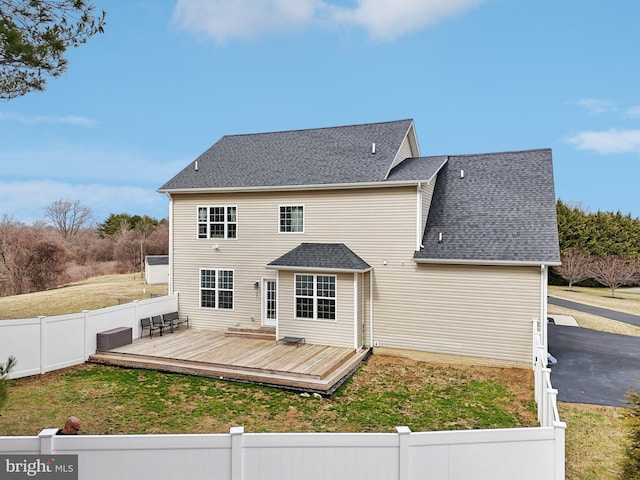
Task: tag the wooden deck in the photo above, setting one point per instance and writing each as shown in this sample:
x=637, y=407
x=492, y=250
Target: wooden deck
x=308, y=367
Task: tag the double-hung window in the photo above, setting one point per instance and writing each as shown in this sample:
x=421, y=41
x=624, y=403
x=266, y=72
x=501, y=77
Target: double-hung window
x=217, y=222
x=291, y=219
x=315, y=296
x=216, y=288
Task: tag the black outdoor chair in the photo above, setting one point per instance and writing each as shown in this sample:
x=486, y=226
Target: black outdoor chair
x=175, y=319
x=160, y=324
x=147, y=323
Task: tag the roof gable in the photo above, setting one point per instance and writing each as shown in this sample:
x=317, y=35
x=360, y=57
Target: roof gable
x=324, y=156
x=493, y=208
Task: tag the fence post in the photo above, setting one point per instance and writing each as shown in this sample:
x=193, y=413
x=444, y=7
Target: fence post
x=559, y=429
x=403, y=452
x=85, y=319
x=42, y=343
x=46, y=440
x=236, y=452
x=535, y=342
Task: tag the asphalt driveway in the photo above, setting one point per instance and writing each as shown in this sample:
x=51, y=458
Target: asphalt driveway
x=593, y=367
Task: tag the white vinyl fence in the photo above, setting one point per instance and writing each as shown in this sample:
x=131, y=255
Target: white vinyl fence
x=44, y=344
x=519, y=453
x=501, y=454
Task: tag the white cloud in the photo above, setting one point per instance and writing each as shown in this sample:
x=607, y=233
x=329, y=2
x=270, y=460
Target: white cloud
x=612, y=141
x=597, y=106
x=37, y=119
x=388, y=19
x=245, y=19
x=91, y=163
x=633, y=112
x=26, y=201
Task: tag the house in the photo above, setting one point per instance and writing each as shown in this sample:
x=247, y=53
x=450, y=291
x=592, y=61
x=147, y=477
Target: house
x=347, y=236
x=156, y=269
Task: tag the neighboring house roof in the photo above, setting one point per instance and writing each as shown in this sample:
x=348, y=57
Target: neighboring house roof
x=323, y=156
x=321, y=256
x=157, y=259
x=502, y=210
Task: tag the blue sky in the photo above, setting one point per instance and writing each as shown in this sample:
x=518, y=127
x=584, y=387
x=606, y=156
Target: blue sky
x=169, y=78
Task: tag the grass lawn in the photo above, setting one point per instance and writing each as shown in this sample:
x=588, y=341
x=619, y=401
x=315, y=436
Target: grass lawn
x=92, y=294
x=386, y=392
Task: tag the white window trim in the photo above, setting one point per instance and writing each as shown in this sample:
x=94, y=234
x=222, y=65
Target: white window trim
x=208, y=223
x=217, y=289
x=304, y=220
x=315, y=298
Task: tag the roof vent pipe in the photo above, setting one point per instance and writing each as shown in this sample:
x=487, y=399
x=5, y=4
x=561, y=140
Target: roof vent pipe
x=461, y=173
x=440, y=237
x=373, y=148
x=196, y=165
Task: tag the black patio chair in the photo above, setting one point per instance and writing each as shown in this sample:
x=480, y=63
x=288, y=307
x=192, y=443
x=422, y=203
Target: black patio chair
x=175, y=319
x=147, y=323
x=160, y=324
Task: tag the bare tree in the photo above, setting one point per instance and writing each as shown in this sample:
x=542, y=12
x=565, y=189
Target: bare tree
x=68, y=216
x=29, y=261
x=575, y=266
x=614, y=271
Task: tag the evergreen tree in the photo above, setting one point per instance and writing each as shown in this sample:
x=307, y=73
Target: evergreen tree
x=5, y=369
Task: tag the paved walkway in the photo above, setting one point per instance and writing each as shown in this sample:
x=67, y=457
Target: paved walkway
x=594, y=367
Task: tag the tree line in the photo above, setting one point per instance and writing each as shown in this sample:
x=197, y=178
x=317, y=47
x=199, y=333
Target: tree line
x=601, y=247
x=68, y=245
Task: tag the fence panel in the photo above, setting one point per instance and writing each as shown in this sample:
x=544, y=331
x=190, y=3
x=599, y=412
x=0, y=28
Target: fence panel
x=22, y=339
x=525, y=453
x=49, y=343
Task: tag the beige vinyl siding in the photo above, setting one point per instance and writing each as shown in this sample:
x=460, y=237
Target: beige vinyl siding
x=427, y=195
x=404, y=153
x=377, y=224
x=480, y=311
x=337, y=333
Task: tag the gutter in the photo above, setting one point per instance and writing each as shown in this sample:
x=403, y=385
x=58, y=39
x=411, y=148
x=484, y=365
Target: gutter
x=288, y=188
x=317, y=269
x=511, y=263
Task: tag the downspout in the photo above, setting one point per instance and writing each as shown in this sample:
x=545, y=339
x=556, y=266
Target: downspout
x=355, y=310
x=170, y=244
x=544, y=278
x=418, y=216
x=362, y=317
x=371, y=308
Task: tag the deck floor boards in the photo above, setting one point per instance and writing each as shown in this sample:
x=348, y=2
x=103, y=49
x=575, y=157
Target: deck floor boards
x=208, y=352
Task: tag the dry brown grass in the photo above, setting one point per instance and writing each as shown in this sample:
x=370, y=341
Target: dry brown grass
x=595, y=440
x=626, y=300
x=92, y=294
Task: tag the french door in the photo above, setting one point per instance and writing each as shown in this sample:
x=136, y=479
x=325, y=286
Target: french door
x=269, y=302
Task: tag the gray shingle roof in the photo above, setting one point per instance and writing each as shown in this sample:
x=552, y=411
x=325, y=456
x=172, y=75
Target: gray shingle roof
x=321, y=256
x=157, y=259
x=336, y=155
x=419, y=168
x=503, y=210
